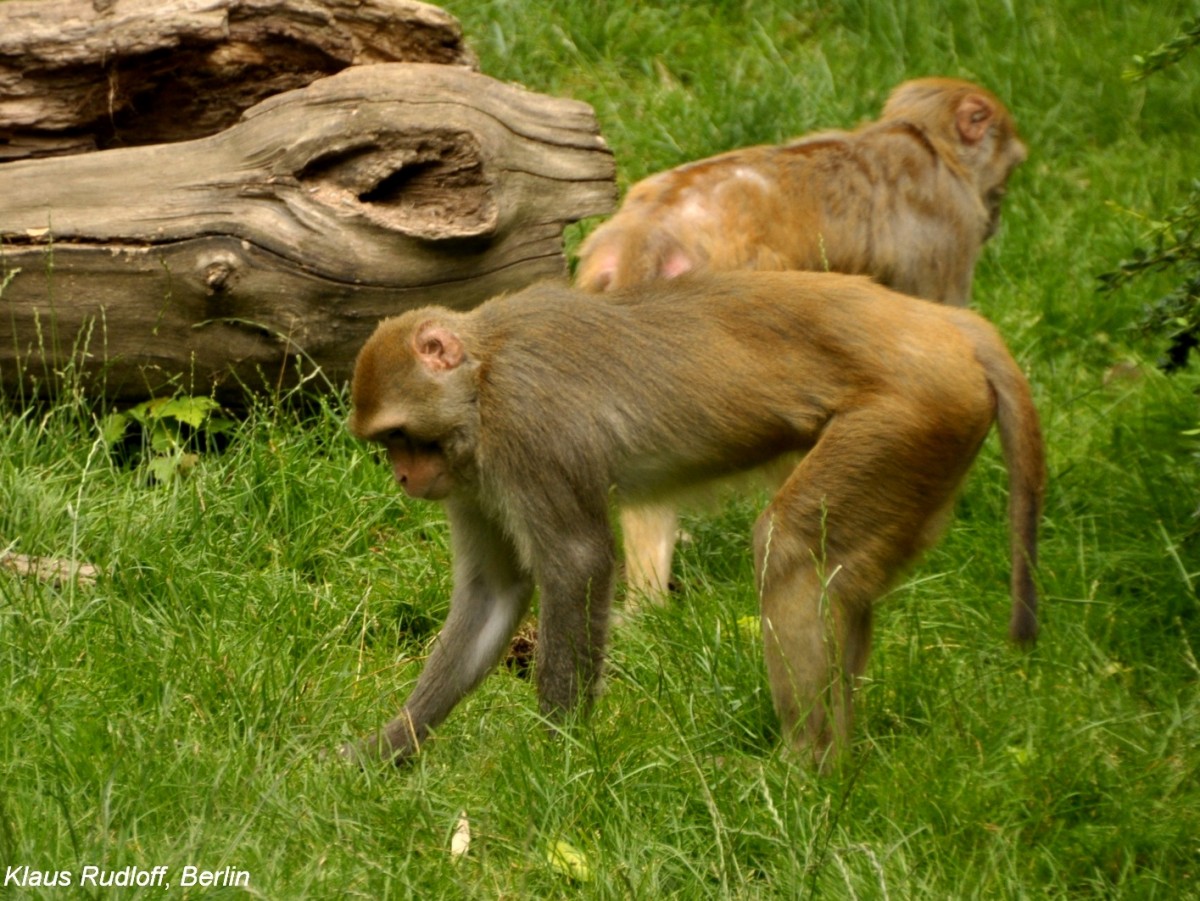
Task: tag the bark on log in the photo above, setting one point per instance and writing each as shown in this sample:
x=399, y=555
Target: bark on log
x=250, y=256
x=81, y=75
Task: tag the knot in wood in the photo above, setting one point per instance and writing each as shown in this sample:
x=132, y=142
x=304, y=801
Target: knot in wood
x=218, y=271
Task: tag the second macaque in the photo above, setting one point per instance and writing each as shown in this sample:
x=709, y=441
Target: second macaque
x=908, y=199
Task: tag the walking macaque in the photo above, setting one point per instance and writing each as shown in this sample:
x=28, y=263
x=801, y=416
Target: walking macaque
x=908, y=199
x=522, y=415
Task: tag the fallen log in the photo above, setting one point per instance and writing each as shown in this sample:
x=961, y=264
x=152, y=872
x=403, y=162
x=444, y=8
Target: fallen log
x=267, y=252
x=78, y=75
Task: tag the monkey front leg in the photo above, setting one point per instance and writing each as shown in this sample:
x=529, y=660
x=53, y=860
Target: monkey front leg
x=575, y=580
x=491, y=595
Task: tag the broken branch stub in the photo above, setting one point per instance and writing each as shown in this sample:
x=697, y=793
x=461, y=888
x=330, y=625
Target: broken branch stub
x=249, y=257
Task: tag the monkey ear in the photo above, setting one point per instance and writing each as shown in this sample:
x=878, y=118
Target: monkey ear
x=973, y=118
x=438, y=348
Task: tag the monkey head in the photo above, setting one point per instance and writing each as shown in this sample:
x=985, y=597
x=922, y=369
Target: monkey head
x=414, y=392
x=974, y=119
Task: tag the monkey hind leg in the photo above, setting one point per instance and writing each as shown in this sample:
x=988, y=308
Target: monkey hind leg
x=816, y=640
x=859, y=508
x=649, y=533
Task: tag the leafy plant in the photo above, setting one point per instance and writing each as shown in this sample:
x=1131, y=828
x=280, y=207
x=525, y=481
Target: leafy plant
x=1173, y=243
x=1174, y=246
x=172, y=431
x=1167, y=55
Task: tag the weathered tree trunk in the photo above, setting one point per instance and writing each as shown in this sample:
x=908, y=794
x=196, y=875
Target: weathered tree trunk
x=80, y=75
x=249, y=257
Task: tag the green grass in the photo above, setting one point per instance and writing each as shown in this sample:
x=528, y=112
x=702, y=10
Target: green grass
x=278, y=598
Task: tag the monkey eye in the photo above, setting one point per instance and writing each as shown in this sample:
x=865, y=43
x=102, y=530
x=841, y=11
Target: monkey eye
x=401, y=435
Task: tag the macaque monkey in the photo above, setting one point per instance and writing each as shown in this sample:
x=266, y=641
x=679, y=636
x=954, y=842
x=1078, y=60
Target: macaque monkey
x=908, y=199
x=522, y=415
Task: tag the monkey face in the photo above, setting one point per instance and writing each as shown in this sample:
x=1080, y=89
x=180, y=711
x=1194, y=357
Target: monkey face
x=413, y=393
x=420, y=467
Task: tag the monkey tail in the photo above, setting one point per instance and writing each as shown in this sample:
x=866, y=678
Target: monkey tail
x=1024, y=455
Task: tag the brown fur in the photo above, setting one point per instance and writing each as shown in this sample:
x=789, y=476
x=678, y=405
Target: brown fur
x=525, y=412
x=908, y=199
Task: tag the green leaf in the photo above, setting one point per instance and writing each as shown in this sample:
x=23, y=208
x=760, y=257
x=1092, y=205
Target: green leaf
x=190, y=410
x=163, y=438
x=568, y=860
x=113, y=428
x=751, y=626
x=219, y=425
x=163, y=468
x=142, y=412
